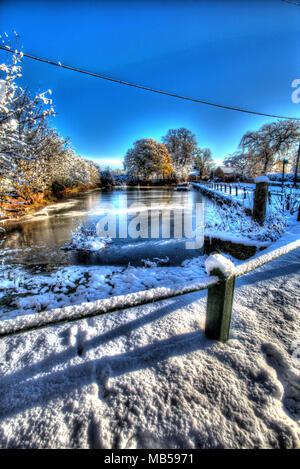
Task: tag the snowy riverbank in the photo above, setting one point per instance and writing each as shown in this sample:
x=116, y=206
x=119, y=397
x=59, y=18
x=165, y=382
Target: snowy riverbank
x=25, y=292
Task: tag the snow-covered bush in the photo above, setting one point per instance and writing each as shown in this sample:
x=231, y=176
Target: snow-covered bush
x=84, y=239
x=287, y=202
x=228, y=219
x=277, y=177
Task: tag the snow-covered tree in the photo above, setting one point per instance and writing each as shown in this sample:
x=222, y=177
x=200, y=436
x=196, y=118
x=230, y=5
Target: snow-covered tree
x=33, y=156
x=181, y=144
x=148, y=158
x=270, y=143
x=240, y=162
x=203, y=161
x=20, y=124
x=65, y=169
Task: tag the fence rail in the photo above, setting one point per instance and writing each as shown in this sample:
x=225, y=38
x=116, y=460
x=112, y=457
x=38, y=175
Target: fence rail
x=253, y=264
x=219, y=300
x=107, y=305
x=235, y=189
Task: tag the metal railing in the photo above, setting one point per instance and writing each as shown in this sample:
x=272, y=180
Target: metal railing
x=219, y=301
x=235, y=189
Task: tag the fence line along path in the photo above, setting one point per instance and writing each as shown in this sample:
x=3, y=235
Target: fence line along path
x=220, y=284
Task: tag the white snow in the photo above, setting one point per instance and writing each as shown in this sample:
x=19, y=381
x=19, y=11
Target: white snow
x=260, y=179
x=236, y=238
x=149, y=378
x=73, y=285
x=221, y=263
x=264, y=258
x=84, y=240
x=97, y=307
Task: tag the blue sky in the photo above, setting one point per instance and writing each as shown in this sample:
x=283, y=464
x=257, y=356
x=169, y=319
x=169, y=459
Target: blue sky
x=238, y=53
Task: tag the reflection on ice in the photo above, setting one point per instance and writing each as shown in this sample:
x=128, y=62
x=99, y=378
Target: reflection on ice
x=54, y=225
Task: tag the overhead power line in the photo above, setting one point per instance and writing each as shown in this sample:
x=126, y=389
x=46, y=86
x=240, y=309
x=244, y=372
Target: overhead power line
x=146, y=88
x=292, y=3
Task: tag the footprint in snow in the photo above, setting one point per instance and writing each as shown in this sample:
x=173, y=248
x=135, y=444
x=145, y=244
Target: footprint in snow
x=77, y=338
x=101, y=374
x=289, y=380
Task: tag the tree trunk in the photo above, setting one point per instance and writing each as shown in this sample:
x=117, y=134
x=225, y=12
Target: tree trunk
x=296, y=166
x=266, y=162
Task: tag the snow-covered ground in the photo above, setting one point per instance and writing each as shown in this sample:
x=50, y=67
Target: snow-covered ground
x=147, y=377
x=230, y=220
x=24, y=293
x=245, y=198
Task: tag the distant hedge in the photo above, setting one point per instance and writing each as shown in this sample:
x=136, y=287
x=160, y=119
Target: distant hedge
x=287, y=177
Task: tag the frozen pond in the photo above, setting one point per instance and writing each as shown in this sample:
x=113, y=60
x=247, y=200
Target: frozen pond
x=39, y=239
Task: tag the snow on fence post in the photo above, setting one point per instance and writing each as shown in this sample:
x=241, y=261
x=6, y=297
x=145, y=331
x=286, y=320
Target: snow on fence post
x=260, y=199
x=220, y=297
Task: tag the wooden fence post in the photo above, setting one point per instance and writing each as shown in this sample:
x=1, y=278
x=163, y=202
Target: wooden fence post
x=219, y=305
x=260, y=199
x=244, y=193
x=236, y=190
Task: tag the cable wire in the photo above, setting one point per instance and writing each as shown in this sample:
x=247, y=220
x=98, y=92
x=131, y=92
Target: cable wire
x=146, y=88
x=292, y=3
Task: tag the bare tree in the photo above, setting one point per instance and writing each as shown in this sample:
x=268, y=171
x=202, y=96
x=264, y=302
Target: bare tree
x=203, y=161
x=240, y=162
x=269, y=143
x=181, y=144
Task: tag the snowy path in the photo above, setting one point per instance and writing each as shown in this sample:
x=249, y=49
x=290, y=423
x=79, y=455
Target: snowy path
x=148, y=378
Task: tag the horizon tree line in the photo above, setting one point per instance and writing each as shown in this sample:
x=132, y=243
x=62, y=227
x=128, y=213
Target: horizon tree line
x=259, y=152
x=169, y=161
